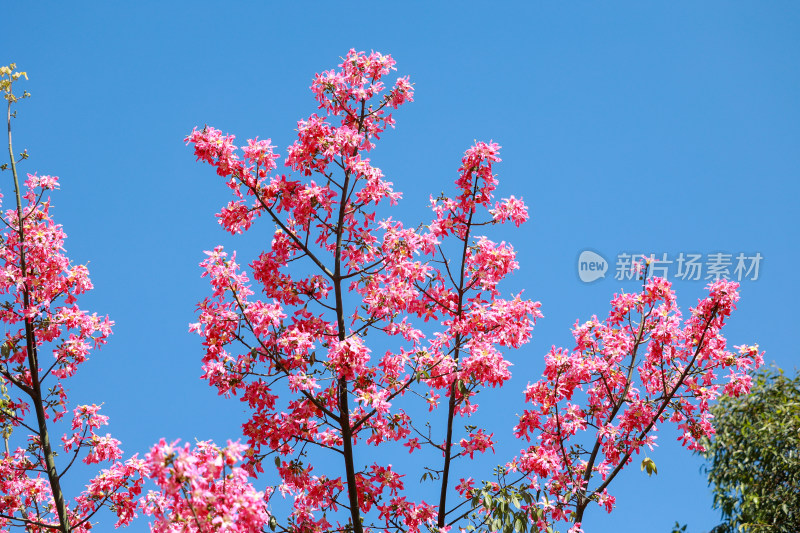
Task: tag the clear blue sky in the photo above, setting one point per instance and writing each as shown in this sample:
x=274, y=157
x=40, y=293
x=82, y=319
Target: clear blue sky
x=628, y=127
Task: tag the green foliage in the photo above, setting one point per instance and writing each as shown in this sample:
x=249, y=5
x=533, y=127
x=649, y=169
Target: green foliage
x=506, y=509
x=754, y=460
x=503, y=507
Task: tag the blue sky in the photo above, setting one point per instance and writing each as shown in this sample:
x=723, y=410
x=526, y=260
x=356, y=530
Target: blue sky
x=628, y=127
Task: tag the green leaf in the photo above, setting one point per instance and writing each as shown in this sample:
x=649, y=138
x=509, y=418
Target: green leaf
x=650, y=466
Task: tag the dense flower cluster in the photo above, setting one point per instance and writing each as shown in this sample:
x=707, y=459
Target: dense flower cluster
x=202, y=490
x=637, y=369
x=48, y=336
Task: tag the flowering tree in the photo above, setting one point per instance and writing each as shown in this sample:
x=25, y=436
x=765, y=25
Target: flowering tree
x=638, y=368
x=46, y=337
x=292, y=343
x=339, y=269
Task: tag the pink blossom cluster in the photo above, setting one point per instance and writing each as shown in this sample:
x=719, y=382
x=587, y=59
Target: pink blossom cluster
x=202, y=489
x=47, y=336
x=598, y=405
